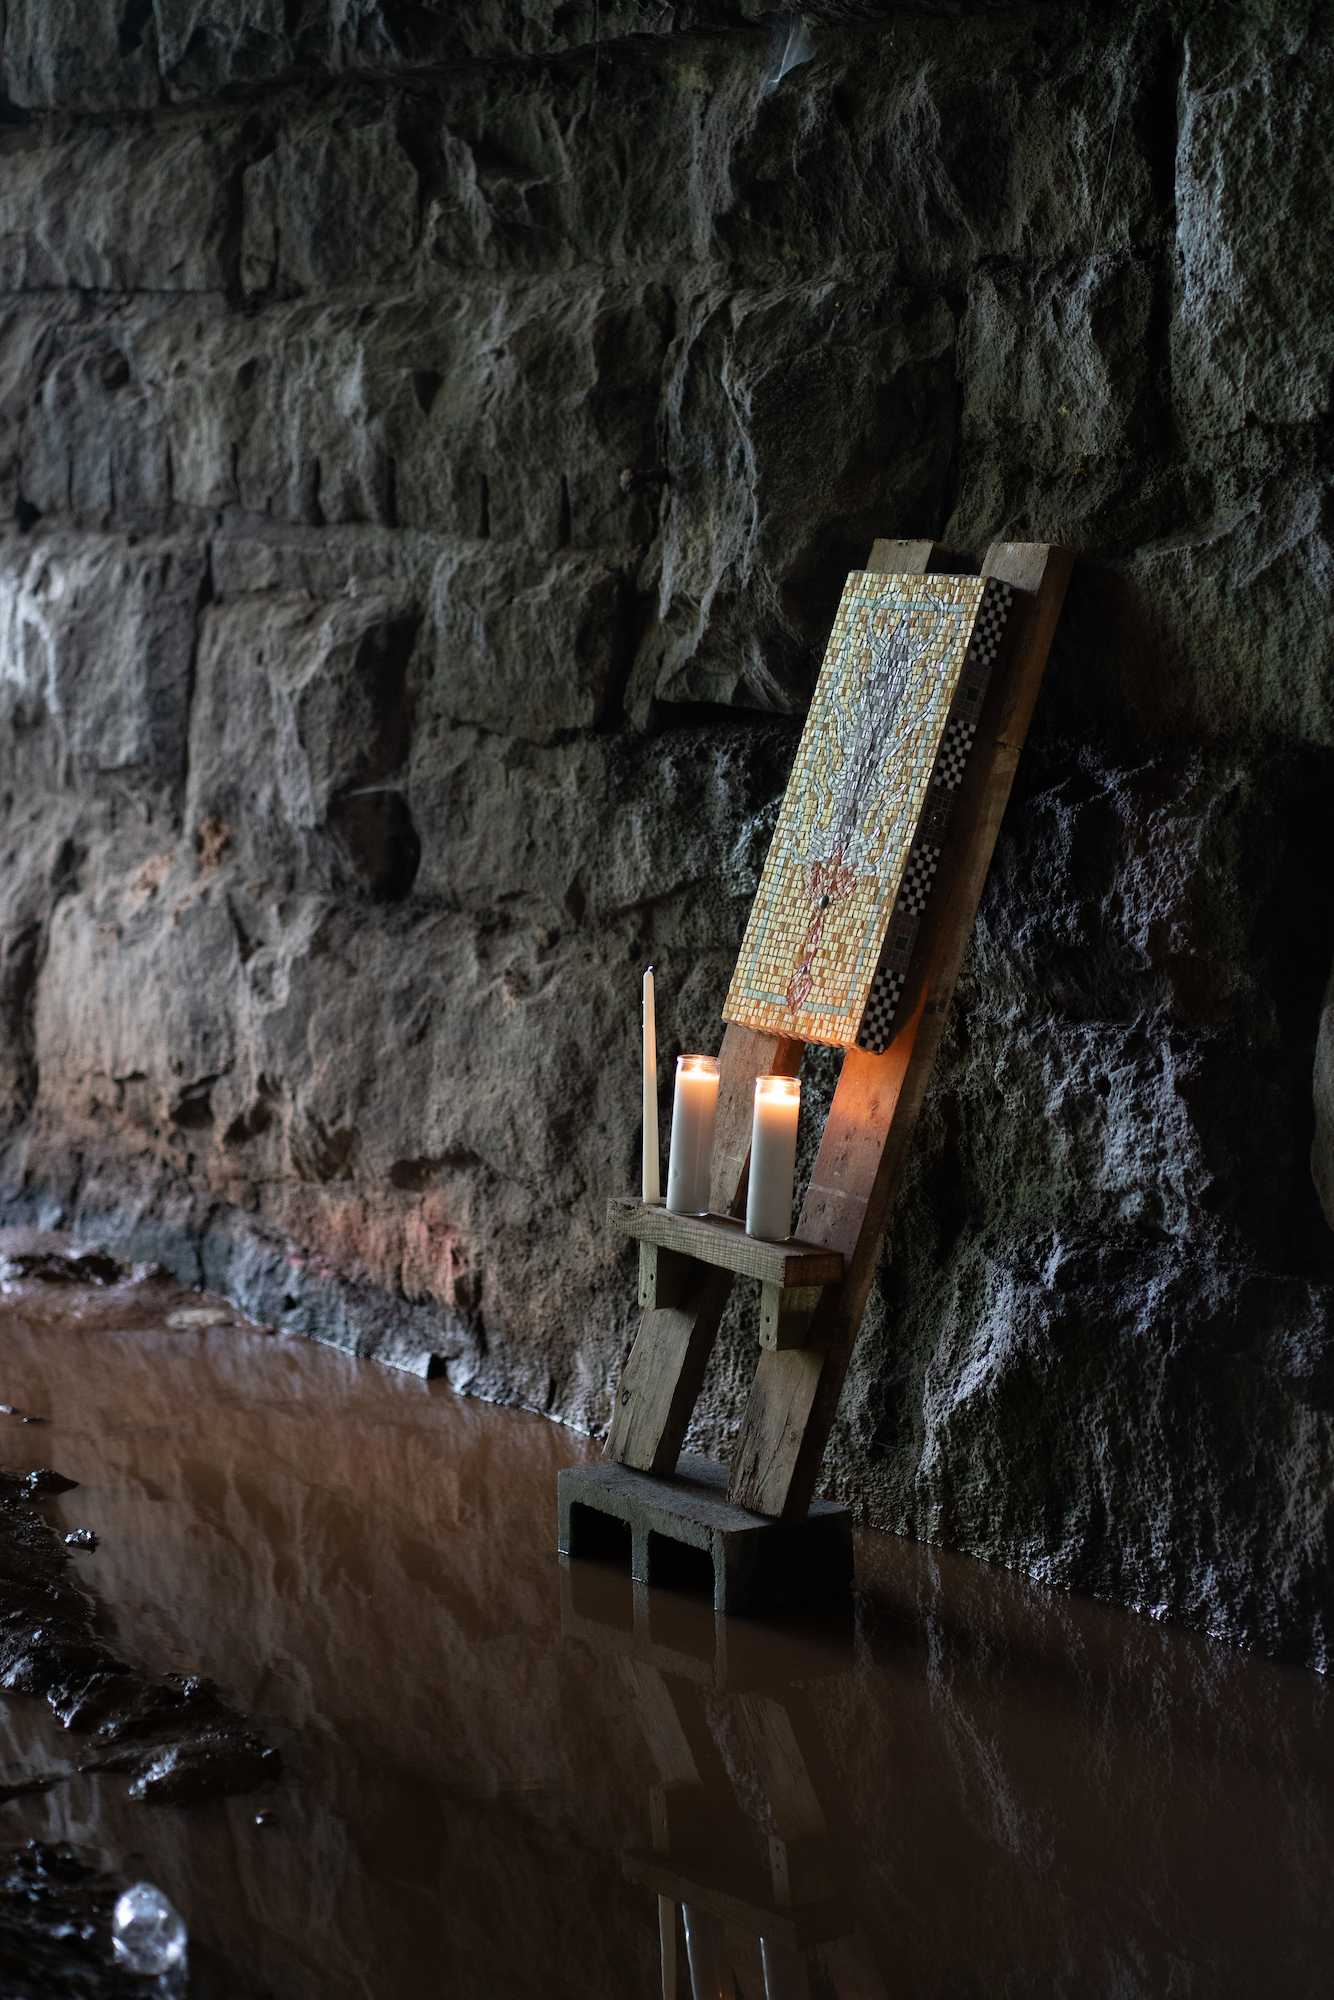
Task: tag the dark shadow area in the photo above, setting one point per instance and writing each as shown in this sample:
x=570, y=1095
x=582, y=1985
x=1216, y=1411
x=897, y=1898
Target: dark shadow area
x=599, y=1537
x=678, y=1566
x=377, y=831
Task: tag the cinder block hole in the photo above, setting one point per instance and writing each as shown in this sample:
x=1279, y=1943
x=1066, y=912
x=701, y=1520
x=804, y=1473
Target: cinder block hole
x=679, y=1566
x=599, y=1537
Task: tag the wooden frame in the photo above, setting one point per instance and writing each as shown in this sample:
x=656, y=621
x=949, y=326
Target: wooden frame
x=871, y=1121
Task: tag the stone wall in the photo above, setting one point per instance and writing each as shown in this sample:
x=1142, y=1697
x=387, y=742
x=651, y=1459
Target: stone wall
x=432, y=441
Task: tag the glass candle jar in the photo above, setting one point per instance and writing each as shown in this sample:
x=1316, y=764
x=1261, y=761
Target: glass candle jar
x=773, y=1158
x=694, y=1118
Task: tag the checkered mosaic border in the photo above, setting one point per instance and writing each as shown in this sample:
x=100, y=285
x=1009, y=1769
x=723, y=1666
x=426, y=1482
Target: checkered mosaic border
x=960, y=732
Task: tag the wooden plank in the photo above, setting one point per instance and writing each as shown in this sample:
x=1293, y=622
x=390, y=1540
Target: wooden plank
x=659, y=1385
x=888, y=558
x=662, y=1377
x=786, y=1313
x=722, y=1240
x=876, y=1105
x=664, y=1277
x=735, y=1903
x=658, y=1718
x=780, y=1766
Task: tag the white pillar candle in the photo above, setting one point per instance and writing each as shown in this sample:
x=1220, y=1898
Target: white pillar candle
x=773, y=1158
x=652, y=1188
x=694, y=1116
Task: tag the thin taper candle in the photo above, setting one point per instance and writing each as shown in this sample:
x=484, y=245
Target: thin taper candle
x=652, y=1188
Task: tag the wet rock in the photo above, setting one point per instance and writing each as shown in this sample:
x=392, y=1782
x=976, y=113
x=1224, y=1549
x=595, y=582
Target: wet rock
x=55, y=1929
x=175, y=1735
x=1322, y=1146
x=204, y=1768
x=41, y=1484
x=27, y=1788
x=150, y=1272
x=201, y=1316
x=84, y=1267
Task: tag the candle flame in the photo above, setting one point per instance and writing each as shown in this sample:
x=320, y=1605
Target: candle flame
x=779, y=1089
x=698, y=1065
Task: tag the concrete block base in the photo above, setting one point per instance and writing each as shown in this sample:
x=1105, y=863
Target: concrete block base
x=680, y=1532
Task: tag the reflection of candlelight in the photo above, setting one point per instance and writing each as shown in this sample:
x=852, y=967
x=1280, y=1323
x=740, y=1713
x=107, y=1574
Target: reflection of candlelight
x=773, y=1158
x=667, y=1939
x=694, y=1116
x=652, y=1190
x=710, y=1973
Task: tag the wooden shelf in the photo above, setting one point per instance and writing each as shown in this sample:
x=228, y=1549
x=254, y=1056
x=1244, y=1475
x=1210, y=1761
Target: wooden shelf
x=722, y=1240
x=736, y=1902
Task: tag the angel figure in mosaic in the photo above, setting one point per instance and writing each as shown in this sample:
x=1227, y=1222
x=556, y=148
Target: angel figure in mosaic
x=860, y=737
x=844, y=831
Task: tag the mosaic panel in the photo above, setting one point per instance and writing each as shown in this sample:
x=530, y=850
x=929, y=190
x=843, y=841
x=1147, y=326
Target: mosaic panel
x=854, y=804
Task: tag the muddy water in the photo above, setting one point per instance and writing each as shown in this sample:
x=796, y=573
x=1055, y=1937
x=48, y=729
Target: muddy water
x=964, y=1787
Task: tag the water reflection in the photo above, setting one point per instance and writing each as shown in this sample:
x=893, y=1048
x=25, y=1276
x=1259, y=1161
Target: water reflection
x=747, y=1810
x=508, y=1777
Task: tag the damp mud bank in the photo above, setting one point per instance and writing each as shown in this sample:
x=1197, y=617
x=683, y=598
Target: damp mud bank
x=173, y=1735
x=493, y=1761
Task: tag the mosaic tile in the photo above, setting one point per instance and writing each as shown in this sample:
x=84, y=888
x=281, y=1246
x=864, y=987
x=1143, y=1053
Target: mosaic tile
x=831, y=930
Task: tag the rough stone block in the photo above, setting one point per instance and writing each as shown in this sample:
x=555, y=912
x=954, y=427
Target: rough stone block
x=335, y=203
x=301, y=725
x=530, y=648
x=116, y=210
x=96, y=636
x=79, y=55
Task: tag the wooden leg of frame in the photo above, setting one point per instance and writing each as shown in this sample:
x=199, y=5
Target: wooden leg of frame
x=786, y=1312
x=860, y=1163
x=665, y=1277
x=745, y=1054
x=662, y=1377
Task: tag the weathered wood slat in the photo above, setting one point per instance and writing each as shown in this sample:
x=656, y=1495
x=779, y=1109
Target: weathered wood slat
x=664, y=1278
x=662, y=1377
x=878, y=1099
x=722, y=1240
x=785, y=1313
x=889, y=558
